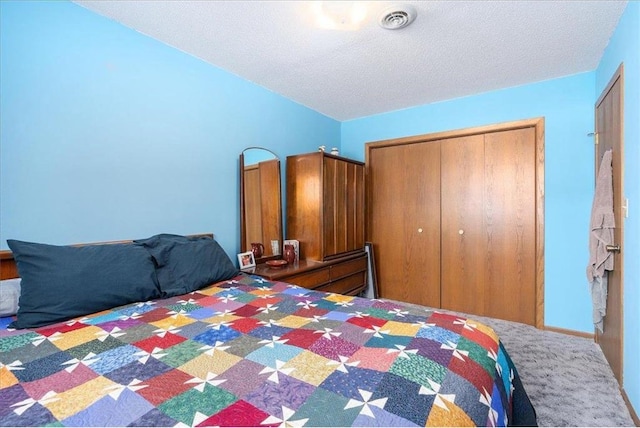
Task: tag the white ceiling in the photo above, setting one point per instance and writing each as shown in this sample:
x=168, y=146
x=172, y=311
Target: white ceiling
x=452, y=49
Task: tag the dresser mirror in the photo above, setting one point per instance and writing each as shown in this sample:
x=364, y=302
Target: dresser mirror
x=260, y=203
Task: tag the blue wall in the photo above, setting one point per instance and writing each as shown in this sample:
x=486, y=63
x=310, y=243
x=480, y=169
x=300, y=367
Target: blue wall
x=107, y=134
x=567, y=106
x=624, y=47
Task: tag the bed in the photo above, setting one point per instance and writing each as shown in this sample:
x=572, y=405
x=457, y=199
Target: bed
x=234, y=350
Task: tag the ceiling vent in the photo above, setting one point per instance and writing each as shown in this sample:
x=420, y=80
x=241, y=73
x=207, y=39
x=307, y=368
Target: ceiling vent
x=397, y=17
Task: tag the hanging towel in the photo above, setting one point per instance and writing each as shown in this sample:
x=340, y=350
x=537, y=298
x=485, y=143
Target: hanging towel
x=602, y=226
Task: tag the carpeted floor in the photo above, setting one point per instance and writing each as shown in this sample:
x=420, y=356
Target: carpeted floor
x=566, y=377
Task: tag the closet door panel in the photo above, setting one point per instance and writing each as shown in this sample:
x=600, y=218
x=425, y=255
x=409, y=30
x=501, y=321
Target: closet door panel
x=386, y=202
x=463, y=240
x=510, y=225
x=405, y=221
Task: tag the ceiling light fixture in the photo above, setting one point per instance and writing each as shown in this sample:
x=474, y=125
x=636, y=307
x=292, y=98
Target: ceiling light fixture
x=397, y=17
x=340, y=15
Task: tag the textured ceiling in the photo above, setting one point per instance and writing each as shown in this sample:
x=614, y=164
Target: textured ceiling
x=452, y=49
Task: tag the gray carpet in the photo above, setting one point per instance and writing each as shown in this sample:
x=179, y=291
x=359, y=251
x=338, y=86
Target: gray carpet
x=566, y=377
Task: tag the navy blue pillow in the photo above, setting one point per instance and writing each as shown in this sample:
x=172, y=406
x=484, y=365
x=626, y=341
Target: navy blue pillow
x=186, y=264
x=64, y=282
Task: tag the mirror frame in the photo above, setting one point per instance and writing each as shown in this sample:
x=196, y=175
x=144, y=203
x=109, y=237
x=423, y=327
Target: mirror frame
x=243, y=206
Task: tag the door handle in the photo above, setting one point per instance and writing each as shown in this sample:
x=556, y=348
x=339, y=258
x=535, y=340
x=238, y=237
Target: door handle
x=613, y=248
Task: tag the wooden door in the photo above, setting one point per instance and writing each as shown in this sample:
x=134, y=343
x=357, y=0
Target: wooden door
x=343, y=207
x=355, y=220
x=305, y=204
x=463, y=239
x=609, y=136
x=510, y=225
x=333, y=207
x=488, y=225
x=403, y=185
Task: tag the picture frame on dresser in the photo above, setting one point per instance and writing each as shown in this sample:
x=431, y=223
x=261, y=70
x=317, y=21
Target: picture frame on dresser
x=246, y=260
x=371, y=291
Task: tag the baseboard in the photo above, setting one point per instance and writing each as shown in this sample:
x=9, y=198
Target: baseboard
x=632, y=411
x=570, y=332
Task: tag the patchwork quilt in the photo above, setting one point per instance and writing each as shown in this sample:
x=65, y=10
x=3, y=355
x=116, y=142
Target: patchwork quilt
x=249, y=352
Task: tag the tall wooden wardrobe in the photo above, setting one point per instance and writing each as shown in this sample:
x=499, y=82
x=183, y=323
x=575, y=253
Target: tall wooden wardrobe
x=456, y=219
x=325, y=205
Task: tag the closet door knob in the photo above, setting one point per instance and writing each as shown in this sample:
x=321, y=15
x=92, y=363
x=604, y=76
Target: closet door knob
x=419, y=230
x=461, y=232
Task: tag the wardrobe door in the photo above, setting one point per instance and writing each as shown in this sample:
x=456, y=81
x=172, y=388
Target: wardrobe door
x=404, y=203
x=305, y=204
x=343, y=209
x=510, y=208
x=333, y=208
x=463, y=250
x=355, y=219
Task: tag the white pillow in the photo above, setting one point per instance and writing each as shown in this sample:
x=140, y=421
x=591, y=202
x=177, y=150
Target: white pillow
x=9, y=295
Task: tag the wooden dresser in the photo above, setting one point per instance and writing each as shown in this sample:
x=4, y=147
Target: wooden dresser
x=346, y=275
x=325, y=213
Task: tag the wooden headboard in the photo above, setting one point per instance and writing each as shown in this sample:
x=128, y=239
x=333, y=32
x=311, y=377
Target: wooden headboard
x=8, y=268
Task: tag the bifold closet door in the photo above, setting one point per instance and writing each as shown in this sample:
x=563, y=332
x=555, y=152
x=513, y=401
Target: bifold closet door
x=510, y=225
x=463, y=255
x=405, y=221
x=488, y=224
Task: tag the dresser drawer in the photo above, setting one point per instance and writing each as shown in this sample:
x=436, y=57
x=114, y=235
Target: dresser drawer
x=346, y=275
x=348, y=285
x=311, y=279
x=347, y=268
